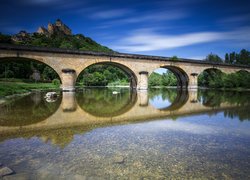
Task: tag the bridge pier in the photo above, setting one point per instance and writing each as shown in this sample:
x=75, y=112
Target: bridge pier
x=193, y=81
x=143, y=98
x=193, y=95
x=69, y=103
x=143, y=81
x=68, y=78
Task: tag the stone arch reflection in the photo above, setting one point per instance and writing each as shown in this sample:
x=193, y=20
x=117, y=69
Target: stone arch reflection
x=168, y=99
x=106, y=102
x=27, y=110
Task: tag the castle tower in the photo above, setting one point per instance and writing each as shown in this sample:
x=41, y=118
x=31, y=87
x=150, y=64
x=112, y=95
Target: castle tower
x=42, y=30
x=59, y=23
x=50, y=28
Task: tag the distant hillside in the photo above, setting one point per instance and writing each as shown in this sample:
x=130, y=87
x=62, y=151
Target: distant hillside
x=57, y=35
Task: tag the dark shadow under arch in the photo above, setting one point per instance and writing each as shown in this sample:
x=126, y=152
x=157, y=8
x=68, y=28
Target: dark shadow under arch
x=181, y=75
x=207, y=74
x=23, y=59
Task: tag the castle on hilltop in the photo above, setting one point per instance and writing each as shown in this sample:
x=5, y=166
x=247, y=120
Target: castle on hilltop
x=57, y=27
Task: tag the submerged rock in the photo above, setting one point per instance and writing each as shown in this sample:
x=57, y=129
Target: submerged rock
x=51, y=96
x=4, y=171
x=21, y=176
x=115, y=92
x=119, y=159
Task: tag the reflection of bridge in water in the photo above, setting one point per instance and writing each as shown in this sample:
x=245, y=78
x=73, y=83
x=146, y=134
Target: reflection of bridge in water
x=70, y=114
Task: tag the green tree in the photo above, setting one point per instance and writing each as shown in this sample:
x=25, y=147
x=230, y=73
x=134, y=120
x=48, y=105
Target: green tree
x=155, y=80
x=102, y=75
x=5, y=38
x=169, y=79
x=227, y=58
x=232, y=58
x=174, y=58
x=244, y=57
x=213, y=58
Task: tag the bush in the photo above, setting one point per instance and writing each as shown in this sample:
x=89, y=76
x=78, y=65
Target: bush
x=56, y=82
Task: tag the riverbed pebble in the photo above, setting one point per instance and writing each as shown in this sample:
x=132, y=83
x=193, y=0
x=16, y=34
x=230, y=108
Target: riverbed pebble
x=21, y=176
x=4, y=171
x=118, y=159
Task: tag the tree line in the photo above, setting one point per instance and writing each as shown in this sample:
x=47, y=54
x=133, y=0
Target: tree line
x=165, y=79
x=241, y=58
x=214, y=78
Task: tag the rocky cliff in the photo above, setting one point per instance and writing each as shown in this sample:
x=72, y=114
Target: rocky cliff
x=57, y=28
x=57, y=35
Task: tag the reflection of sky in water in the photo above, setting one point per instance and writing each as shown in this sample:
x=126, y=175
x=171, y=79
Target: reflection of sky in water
x=159, y=103
x=210, y=145
x=202, y=125
x=194, y=146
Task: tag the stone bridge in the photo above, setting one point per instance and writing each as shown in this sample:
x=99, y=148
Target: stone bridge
x=70, y=63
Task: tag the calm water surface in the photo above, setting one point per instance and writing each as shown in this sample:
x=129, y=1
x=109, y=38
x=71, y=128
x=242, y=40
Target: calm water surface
x=156, y=134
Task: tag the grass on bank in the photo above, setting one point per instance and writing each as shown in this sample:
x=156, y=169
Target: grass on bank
x=10, y=88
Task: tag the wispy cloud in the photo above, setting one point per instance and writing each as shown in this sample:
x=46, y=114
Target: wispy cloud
x=54, y=4
x=159, y=16
x=147, y=18
x=232, y=20
x=140, y=41
x=151, y=41
x=110, y=14
x=42, y=1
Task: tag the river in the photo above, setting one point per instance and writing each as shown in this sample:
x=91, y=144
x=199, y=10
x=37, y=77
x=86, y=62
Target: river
x=117, y=133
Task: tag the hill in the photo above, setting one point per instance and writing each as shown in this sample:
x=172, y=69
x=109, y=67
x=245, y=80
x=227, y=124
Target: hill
x=57, y=35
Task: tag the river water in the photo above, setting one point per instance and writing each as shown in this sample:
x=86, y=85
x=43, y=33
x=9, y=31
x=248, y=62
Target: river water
x=123, y=134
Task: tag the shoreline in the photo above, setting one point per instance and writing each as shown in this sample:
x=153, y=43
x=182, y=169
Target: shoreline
x=4, y=99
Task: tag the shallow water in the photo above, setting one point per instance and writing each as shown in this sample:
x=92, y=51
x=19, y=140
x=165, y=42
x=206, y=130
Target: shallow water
x=156, y=134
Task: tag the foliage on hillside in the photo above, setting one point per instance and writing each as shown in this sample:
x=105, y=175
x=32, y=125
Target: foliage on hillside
x=78, y=41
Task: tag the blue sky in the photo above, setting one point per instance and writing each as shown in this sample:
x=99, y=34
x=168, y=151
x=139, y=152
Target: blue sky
x=185, y=28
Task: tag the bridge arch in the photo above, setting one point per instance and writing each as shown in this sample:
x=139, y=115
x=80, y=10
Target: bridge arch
x=67, y=76
x=133, y=80
x=180, y=74
x=209, y=74
x=25, y=59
